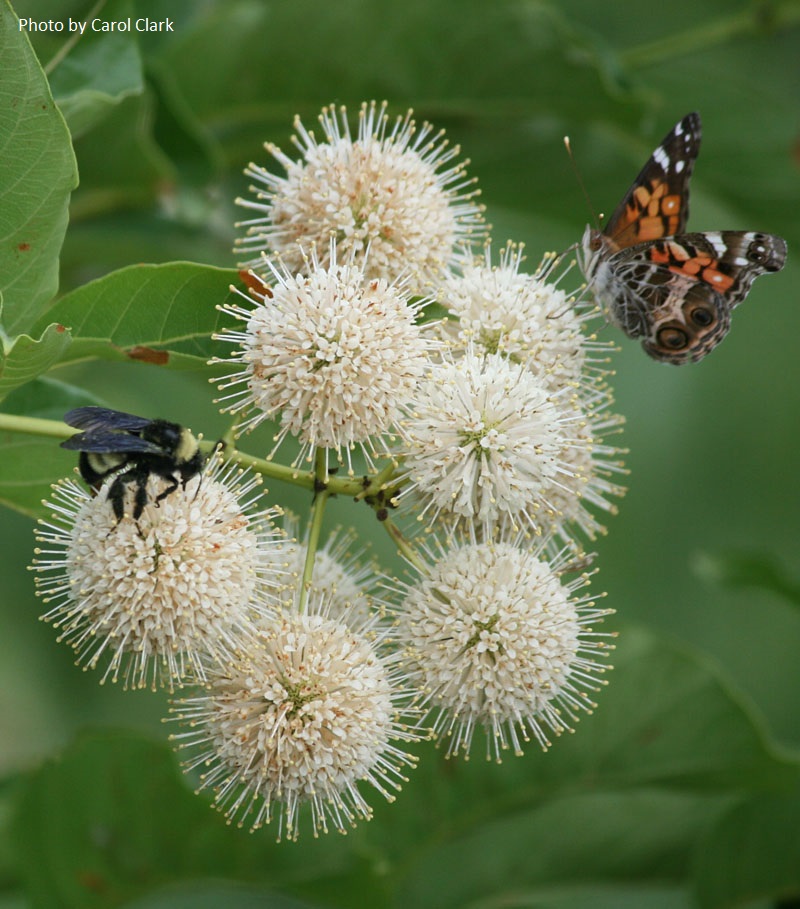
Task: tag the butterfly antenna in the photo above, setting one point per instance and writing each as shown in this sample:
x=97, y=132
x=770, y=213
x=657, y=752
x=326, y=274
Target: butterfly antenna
x=598, y=219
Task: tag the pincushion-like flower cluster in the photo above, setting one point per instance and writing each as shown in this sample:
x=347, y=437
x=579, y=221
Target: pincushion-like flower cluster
x=479, y=430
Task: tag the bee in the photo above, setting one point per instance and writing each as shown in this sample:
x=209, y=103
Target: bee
x=131, y=449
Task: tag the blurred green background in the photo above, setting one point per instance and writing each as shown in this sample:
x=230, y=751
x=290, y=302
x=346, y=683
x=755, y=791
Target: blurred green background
x=703, y=557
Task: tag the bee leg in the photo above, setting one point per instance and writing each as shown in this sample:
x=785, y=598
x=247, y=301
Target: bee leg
x=169, y=490
x=116, y=495
x=140, y=498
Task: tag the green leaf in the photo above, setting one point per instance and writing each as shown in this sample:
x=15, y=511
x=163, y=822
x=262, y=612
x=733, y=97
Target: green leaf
x=668, y=717
x=39, y=173
x=600, y=839
x=622, y=896
x=215, y=895
x=670, y=740
x=99, y=846
x=751, y=851
x=159, y=314
x=98, y=72
x=29, y=465
x=743, y=569
x=111, y=819
x=24, y=358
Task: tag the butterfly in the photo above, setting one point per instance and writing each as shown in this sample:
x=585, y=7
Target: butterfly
x=673, y=290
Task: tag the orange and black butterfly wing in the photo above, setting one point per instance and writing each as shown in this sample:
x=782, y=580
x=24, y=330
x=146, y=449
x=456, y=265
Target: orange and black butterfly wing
x=657, y=204
x=684, y=288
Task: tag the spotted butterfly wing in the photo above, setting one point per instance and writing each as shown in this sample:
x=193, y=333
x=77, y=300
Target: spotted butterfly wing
x=686, y=287
x=675, y=291
x=657, y=204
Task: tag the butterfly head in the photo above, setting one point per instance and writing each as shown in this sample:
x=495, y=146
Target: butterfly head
x=594, y=247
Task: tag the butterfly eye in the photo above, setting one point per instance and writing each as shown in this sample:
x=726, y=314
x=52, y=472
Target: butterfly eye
x=673, y=338
x=702, y=317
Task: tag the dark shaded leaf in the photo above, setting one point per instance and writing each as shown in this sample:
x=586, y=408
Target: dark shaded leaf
x=30, y=464
x=99, y=71
x=743, y=569
x=752, y=851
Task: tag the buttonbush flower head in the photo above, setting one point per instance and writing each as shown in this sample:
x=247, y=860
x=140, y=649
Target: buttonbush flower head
x=487, y=440
x=594, y=463
x=496, y=638
x=340, y=577
x=151, y=599
x=395, y=190
x=333, y=353
x=529, y=318
x=311, y=712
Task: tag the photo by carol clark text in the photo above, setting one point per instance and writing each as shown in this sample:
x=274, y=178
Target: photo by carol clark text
x=98, y=25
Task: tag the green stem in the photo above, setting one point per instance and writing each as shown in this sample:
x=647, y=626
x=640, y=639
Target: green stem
x=315, y=525
x=67, y=46
x=403, y=546
x=319, y=480
x=53, y=429
x=378, y=483
x=269, y=469
x=349, y=487
x=753, y=19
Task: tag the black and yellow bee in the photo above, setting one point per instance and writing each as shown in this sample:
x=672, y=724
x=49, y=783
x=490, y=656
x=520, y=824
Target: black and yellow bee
x=131, y=448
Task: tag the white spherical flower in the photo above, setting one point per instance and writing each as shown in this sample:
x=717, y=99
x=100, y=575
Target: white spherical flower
x=496, y=639
x=339, y=576
x=150, y=599
x=529, y=318
x=486, y=441
x=593, y=464
x=394, y=190
x=334, y=353
x=309, y=713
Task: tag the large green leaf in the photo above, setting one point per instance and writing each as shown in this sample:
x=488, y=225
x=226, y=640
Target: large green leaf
x=667, y=719
x=111, y=819
x=24, y=358
x=528, y=53
x=458, y=834
x=98, y=71
x=624, y=800
x=602, y=839
x=159, y=314
x=752, y=851
x=38, y=174
x=748, y=569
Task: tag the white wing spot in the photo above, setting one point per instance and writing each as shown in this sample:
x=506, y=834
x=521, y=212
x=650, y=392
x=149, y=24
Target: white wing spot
x=661, y=157
x=679, y=166
x=715, y=239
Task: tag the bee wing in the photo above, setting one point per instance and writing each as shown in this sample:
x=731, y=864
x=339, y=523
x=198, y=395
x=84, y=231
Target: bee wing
x=100, y=418
x=107, y=441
